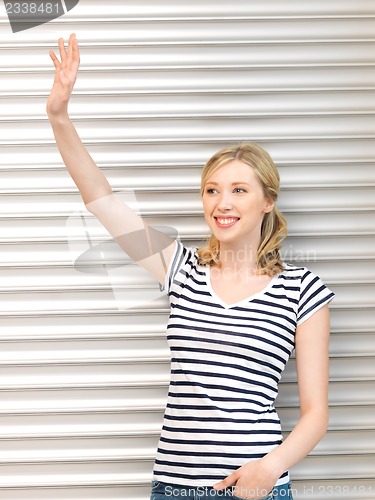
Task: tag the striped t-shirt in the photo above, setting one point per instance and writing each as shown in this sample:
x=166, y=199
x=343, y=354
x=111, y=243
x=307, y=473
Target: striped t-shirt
x=225, y=368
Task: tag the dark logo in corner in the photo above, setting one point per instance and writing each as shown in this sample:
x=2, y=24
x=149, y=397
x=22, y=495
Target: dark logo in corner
x=25, y=15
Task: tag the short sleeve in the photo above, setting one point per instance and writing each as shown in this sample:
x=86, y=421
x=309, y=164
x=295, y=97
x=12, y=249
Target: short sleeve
x=180, y=266
x=314, y=294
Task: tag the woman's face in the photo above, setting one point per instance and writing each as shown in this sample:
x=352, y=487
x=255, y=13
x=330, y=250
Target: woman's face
x=234, y=204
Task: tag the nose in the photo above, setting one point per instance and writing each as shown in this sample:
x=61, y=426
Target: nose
x=225, y=203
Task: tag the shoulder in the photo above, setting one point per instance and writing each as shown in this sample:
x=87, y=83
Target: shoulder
x=185, y=254
x=312, y=292
x=295, y=272
x=302, y=276
x=183, y=261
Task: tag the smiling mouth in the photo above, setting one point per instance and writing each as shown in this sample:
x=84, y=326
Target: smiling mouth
x=226, y=221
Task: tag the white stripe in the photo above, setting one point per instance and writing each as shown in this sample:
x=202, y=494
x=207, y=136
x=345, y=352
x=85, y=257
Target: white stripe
x=64, y=6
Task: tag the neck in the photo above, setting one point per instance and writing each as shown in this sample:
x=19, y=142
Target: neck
x=239, y=258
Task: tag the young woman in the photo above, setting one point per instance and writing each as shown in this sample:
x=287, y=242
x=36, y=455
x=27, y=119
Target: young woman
x=237, y=313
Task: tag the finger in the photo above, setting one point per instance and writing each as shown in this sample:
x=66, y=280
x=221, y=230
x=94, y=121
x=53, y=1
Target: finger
x=75, y=50
x=228, y=481
x=55, y=61
x=62, y=50
x=75, y=59
x=70, y=45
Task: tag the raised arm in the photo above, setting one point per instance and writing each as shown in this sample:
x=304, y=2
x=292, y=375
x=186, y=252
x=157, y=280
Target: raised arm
x=150, y=248
x=90, y=181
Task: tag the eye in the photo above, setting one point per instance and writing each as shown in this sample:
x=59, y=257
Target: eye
x=239, y=190
x=211, y=191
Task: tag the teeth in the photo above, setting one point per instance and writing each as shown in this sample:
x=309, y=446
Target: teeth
x=226, y=221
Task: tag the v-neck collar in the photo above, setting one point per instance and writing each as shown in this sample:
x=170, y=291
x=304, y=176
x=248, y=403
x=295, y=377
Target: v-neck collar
x=224, y=304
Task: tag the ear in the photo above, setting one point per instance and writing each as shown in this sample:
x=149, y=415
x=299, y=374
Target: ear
x=269, y=205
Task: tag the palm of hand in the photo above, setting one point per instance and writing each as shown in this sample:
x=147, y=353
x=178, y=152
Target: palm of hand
x=66, y=70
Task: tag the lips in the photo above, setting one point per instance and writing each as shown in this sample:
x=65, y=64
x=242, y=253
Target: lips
x=226, y=222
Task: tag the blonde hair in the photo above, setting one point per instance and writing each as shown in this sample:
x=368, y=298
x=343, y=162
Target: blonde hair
x=273, y=229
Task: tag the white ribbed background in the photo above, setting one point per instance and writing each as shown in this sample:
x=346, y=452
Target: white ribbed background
x=163, y=85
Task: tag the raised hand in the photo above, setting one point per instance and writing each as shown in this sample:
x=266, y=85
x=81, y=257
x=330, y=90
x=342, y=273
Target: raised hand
x=66, y=70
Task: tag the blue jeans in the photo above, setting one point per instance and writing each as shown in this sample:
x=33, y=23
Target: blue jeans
x=163, y=491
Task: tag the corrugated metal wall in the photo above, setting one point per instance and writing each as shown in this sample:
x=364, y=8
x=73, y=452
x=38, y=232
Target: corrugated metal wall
x=164, y=84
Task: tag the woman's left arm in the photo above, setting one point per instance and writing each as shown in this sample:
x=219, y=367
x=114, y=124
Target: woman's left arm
x=312, y=358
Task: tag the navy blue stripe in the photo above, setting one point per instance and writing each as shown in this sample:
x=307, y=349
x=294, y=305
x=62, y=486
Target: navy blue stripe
x=285, y=287
x=251, y=383
x=210, y=454
x=279, y=297
x=193, y=477
x=272, y=305
x=191, y=465
x=292, y=275
x=215, y=408
x=223, y=420
x=202, y=350
x=245, y=324
x=198, y=302
x=219, y=431
x=316, y=305
x=226, y=399
x=305, y=275
x=235, y=333
x=225, y=343
x=179, y=256
x=250, y=313
x=194, y=268
x=194, y=280
x=306, y=288
x=224, y=365
x=310, y=297
x=290, y=267
x=195, y=291
x=210, y=442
